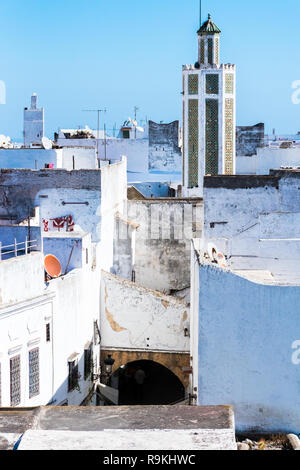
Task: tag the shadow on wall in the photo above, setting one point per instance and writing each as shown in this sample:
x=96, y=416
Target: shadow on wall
x=77, y=388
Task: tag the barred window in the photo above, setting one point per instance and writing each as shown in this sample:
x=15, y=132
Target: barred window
x=73, y=377
x=15, y=381
x=34, y=372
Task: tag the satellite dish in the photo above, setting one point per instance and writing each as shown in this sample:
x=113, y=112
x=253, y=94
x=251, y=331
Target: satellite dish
x=52, y=266
x=47, y=144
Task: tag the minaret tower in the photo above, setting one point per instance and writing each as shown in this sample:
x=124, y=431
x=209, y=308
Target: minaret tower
x=208, y=114
x=33, y=124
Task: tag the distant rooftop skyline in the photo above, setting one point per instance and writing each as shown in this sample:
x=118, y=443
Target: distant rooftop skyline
x=96, y=54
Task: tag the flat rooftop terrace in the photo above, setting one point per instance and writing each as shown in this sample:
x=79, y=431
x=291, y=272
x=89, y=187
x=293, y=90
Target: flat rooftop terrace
x=119, y=428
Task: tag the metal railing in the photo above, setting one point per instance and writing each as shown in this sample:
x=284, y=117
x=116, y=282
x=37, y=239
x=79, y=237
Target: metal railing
x=17, y=249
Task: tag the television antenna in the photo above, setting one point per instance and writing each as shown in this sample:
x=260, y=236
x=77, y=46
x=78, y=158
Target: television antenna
x=98, y=111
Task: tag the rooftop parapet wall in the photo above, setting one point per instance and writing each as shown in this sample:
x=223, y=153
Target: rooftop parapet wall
x=255, y=208
x=19, y=188
x=241, y=181
x=21, y=278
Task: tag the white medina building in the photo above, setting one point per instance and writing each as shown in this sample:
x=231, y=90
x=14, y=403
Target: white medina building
x=209, y=132
x=33, y=124
x=153, y=152
x=275, y=155
x=49, y=332
x=244, y=308
x=49, y=340
x=68, y=158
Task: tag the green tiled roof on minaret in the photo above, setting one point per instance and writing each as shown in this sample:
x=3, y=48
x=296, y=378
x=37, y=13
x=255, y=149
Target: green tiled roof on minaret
x=209, y=27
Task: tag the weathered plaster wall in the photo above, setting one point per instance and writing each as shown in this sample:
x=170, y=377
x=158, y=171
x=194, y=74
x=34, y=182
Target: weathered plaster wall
x=124, y=248
x=135, y=318
x=85, y=210
x=162, y=254
x=164, y=151
x=255, y=221
x=233, y=206
x=19, y=189
x=245, y=350
x=249, y=139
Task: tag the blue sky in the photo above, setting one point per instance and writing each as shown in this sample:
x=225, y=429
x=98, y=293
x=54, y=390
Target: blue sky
x=78, y=55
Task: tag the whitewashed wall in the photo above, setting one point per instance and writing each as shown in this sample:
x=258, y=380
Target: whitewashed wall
x=247, y=352
x=77, y=158
x=135, y=318
x=33, y=159
x=87, y=218
x=135, y=150
x=21, y=278
x=23, y=328
x=266, y=159
x=166, y=227
x=113, y=201
x=75, y=309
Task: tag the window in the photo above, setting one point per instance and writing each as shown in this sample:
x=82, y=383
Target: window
x=15, y=381
x=73, y=377
x=48, y=334
x=34, y=372
x=88, y=361
x=126, y=134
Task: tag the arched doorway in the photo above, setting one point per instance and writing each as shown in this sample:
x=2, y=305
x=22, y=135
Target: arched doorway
x=147, y=383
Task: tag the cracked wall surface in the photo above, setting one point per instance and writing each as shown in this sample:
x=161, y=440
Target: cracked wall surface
x=136, y=318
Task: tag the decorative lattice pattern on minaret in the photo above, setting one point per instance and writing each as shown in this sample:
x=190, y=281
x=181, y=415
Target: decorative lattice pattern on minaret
x=217, y=46
x=193, y=143
x=212, y=136
x=212, y=84
x=210, y=51
x=229, y=83
x=202, y=58
x=193, y=84
x=229, y=136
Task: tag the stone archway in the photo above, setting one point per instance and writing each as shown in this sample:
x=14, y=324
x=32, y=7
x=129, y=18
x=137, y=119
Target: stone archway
x=145, y=383
x=175, y=362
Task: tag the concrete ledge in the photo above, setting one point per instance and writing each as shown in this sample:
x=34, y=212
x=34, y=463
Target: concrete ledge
x=122, y=428
x=119, y=439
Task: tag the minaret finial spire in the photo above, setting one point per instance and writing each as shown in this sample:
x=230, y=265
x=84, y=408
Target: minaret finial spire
x=200, y=12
